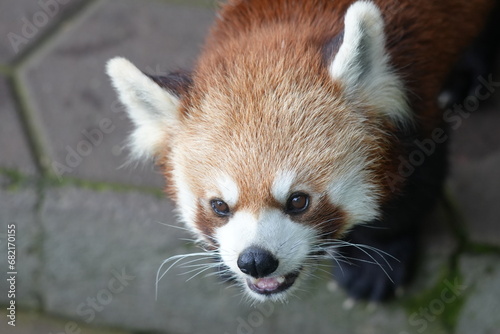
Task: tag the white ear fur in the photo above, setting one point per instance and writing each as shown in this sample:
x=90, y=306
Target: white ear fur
x=362, y=63
x=152, y=109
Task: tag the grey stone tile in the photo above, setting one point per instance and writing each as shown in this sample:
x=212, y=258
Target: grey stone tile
x=14, y=150
x=92, y=238
x=479, y=313
x=475, y=185
x=18, y=207
x=476, y=136
x=36, y=323
x=71, y=94
x=24, y=21
x=475, y=160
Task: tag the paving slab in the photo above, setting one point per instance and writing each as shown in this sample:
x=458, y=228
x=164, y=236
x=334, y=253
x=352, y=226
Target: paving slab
x=479, y=313
x=105, y=249
x=29, y=322
x=18, y=214
x=15, y=152
x=477, y=137
x=84, y=127
x=24, y=21
x=475, y=162
x=476, y=187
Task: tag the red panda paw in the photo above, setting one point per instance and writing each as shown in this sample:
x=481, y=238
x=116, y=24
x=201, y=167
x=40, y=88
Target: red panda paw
x=375, y=270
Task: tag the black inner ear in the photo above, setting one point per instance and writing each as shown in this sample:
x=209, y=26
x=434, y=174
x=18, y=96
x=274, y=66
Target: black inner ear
x=331, y=48
x=178, y=83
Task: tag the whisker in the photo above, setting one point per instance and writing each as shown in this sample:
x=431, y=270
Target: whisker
x=176, y=259
x=361, y=248
x=337, y=261
x=326, y=246
x=343, y=243
x=198, y=265
x=198, y=273
x=209, y=237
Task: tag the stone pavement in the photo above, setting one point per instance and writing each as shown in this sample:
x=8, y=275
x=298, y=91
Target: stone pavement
x=90, y=235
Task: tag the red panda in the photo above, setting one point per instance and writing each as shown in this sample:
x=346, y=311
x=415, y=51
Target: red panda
x=288, y=141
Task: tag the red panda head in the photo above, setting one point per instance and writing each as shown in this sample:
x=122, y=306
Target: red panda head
x=273, y=152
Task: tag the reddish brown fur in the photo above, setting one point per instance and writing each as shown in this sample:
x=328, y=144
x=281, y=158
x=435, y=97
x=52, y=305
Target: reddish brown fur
x=424, y=38
x=260, y=50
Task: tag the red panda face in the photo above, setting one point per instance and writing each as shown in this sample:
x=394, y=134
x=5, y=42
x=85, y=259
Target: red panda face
x=284, y=175
x=273, y=153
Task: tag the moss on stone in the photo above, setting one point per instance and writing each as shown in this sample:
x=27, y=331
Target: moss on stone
x=53, y=181
x=477, y=248
x=5, y=70
x=14, y=179
x=442, y=302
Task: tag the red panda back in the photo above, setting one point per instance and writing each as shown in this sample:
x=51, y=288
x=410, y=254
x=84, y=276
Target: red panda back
x=424, y=38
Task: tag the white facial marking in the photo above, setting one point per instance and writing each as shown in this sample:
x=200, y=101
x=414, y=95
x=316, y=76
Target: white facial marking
x=282, y=185
x=355, y=195
x=239, y=233
x=288, y=241
x=229, y=190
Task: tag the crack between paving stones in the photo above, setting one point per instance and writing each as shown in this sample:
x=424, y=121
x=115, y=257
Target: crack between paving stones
x=456, y=222
x=6, y=70
x=20, y=180
x=30, y=129
x=26, y=119
x=51, y=32
x=102, y=186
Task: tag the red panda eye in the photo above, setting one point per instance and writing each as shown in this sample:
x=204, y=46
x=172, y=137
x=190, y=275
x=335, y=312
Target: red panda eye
x=297, y=203
x=220, y=207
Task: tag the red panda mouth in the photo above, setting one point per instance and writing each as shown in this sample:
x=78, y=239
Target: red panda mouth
x=272, y=285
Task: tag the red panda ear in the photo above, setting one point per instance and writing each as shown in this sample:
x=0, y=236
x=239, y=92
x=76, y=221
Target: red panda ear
x=152, y=104
x=177, y=83
x=361, y=64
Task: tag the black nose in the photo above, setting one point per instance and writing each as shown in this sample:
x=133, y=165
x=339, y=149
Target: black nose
x=257, y=262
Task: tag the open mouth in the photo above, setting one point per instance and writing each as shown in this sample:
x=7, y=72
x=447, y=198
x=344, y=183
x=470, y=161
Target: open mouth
x=272, y=285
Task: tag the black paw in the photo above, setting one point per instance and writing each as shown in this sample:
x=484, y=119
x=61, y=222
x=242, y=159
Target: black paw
x=375, y=268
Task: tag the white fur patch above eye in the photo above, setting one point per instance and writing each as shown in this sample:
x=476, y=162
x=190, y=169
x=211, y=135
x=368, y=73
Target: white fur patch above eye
x=362, y=64
x=152, y=109
x=282, y=184
x=228, y=189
